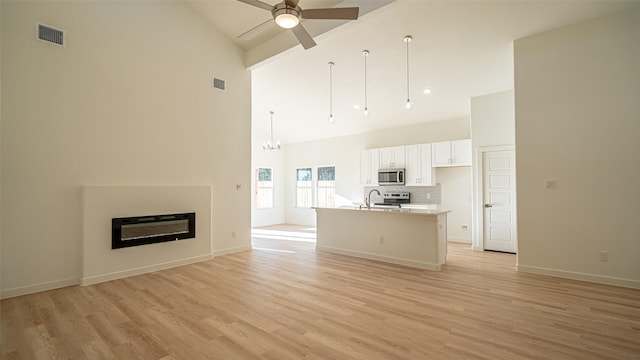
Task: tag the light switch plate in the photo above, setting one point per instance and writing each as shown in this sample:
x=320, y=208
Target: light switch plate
x=551, y=184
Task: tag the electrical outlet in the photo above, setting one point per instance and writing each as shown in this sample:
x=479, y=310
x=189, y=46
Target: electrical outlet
x=465, y=228
x=380, y=239
x=428, y=196
x=233, y=234
x=604, y=256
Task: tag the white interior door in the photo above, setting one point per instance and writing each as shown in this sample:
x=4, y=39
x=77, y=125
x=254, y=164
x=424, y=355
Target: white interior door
x=499, y=196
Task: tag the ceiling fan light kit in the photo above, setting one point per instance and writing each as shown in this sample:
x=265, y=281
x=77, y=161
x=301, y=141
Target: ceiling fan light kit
x=285, y=16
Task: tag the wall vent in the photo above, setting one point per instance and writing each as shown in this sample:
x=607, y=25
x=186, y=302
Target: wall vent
x=51, y=35
x=219, y=84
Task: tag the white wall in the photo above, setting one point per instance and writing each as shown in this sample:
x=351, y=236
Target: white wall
x=493, y=119
x=273, y=159
x=577, y=92
x=455, y=185
x=127, y=102
x=344, y=153
x=1, y=147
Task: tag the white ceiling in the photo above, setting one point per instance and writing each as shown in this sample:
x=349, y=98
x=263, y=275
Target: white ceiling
x=460, y=49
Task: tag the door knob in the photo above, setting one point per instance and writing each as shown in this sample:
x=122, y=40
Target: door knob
x=488, y=205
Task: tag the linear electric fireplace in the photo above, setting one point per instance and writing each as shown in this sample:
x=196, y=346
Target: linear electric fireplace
x=142, y=230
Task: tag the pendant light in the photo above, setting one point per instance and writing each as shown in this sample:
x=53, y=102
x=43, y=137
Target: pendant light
x=331, y=119
x=366, y=108
x=407, y=105
x=269, y=144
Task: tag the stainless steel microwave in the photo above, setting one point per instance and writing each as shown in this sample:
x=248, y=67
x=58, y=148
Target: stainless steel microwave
x=391, y=177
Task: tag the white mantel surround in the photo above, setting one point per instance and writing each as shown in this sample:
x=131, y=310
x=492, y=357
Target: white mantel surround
x=102, y=203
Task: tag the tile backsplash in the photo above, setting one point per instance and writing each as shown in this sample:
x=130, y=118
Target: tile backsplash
x=419, y=194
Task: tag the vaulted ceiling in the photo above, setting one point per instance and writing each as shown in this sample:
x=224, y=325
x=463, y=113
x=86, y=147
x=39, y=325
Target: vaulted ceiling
x=460, y=49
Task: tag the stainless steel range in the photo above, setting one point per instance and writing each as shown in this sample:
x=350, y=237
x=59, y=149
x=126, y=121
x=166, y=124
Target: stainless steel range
x=394, y=199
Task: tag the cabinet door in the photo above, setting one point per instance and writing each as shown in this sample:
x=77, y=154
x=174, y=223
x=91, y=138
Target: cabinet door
x=386, y=158
x=419, y=171
x=374, y=165
x=413, y=166
x=441, y=154
x=461, y=152
x=398, y=157
x=427, y=172
x=369, y=167
x=392, y=157
x=365, y=172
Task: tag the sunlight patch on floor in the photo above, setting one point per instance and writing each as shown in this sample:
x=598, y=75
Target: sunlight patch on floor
x=274, y=250
x=308, y=235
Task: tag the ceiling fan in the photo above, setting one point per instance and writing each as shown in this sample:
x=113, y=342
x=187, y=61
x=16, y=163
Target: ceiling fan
x=288, y=14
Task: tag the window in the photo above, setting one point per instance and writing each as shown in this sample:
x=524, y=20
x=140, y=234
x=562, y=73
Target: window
x=326, y=186
x=264, y=188
x=304, y=188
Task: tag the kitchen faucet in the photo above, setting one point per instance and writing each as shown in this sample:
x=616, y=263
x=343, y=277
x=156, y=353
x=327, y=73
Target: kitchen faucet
x=367, y=201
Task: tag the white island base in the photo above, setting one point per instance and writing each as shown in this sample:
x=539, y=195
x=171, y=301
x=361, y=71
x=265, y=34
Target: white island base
x=410, y=237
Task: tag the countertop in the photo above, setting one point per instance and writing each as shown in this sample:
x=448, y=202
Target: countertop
x=405, y=210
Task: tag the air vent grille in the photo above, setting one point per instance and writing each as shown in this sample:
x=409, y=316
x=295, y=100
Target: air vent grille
x=219, y=84
x=51, y=35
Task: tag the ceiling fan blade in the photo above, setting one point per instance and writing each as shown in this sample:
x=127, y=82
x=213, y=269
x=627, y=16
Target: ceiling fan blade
x=350, y=13
x=256, y=30
x=303, y=36
x=291, y=3
x=258, y=3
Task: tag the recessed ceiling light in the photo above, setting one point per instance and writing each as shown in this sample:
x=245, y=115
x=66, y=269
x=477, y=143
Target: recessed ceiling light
x=356, y=106
x=427, y=91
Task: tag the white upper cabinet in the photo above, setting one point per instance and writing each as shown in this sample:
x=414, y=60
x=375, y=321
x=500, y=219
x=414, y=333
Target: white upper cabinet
x=451, y=153
x=392, y=157
x=369, y=164
x=419, y=171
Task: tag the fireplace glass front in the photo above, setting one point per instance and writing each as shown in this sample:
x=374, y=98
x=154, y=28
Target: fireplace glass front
x=142, y=230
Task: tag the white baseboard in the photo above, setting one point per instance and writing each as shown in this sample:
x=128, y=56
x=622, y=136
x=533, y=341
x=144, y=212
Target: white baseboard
x=369, y=256
x=231, y=250
x=142, y=270
x=31, y=289
x=607, y=280
x=459, y=239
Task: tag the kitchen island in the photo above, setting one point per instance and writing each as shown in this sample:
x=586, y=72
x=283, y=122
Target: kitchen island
x=410, y=237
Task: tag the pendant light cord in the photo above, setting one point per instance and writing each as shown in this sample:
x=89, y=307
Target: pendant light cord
x=271, y=112
x=331, y=119
x=331, y=88
x=408, y=40
x=365, y=53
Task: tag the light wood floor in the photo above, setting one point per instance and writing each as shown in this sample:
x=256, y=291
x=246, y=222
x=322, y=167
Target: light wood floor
x=283, y=300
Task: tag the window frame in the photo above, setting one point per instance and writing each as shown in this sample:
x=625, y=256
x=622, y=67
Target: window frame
x=309, y=188
x=329, y=197
x=257, y=202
